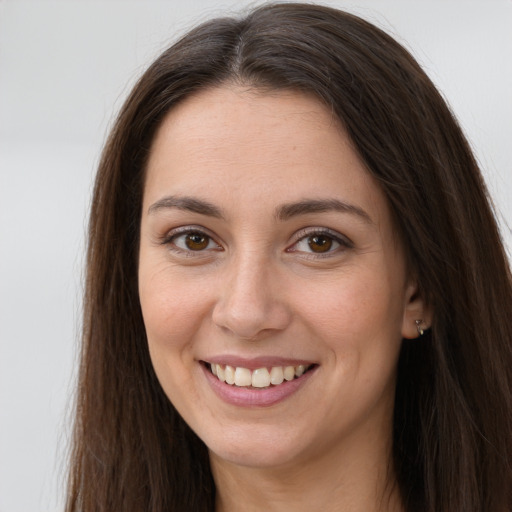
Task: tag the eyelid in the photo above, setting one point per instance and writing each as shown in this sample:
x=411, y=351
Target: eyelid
x=183, y=230
x=343, y=240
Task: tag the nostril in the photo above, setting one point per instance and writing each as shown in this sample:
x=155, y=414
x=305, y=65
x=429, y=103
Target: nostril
x=251, y=321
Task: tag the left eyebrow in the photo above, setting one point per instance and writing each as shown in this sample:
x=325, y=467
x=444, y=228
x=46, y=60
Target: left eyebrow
x=190, y=204
x=306, y=206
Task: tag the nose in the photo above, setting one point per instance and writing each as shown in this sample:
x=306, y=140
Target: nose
x=251, y=303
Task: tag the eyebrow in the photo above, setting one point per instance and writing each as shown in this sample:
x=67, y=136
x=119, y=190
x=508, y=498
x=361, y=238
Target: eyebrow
x=190, y=204
x=283, y=212
x=307, y=206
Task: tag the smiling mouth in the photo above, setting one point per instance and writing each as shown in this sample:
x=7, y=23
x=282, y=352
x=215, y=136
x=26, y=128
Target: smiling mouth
x=259, y=378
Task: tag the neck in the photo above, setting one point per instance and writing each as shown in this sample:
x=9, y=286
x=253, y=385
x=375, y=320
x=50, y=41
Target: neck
x=358, y=480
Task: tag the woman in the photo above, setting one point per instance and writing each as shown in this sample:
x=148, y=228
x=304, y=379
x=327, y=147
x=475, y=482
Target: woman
x=296, y=290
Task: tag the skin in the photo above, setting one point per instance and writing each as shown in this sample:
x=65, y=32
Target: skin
x=258, y=288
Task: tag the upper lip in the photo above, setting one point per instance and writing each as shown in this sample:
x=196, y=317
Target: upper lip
x=254, y=363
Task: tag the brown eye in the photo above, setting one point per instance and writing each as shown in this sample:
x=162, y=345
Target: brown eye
x=320, y=243
x=196, y=241
x=191, y=242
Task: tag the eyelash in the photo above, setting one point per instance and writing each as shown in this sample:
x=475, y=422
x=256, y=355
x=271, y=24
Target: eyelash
x=309, y=233
x=170, y=241
x=301, y=236
x=171, y=238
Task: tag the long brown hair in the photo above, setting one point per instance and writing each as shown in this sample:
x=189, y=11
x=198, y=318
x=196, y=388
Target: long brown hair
x=452, y=441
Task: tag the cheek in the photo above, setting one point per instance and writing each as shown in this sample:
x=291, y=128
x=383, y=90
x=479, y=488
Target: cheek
x=355, y=305
x=171, y=318
x=358, y=320
x=169, y=303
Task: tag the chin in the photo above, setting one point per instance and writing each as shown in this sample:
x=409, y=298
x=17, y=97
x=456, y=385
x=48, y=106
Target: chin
x=258, y=450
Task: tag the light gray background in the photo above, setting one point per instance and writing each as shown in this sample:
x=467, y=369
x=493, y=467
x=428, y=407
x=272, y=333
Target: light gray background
x=65, y=68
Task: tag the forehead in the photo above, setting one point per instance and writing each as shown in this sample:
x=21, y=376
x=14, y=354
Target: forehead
x=236, y=144
x=246, y=118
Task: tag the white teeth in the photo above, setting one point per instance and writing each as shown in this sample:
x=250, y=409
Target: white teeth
x=259, y=378
x=299, y=370
x=276, y=375
x=243, y=377
x=221, y=373
x=289, y=373
x=229, y=374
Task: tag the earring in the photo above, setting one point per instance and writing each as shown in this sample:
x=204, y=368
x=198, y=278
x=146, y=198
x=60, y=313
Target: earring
x=421, y=332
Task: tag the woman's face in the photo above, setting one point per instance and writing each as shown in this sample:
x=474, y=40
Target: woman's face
x=267, y=250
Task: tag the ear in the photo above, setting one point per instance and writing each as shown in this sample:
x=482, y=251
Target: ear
x=417, y=315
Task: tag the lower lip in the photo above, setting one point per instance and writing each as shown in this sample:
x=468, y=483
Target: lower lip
x=253, y=397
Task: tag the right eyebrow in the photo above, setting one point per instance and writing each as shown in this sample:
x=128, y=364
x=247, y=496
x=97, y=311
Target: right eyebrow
x=190, y=204
x=307, y=206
